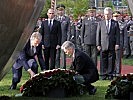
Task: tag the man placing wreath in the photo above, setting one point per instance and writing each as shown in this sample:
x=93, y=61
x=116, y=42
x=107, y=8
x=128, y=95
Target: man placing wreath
x=83, y=65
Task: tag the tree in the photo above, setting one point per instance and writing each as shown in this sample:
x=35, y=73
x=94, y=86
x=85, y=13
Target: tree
x=45, y=8
x=110, y=4
x=75, y=7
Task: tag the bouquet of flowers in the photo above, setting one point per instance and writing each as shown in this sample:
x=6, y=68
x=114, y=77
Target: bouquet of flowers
x=41, y=84
x=120, y=88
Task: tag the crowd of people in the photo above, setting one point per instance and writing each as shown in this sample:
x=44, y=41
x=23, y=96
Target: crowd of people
x=82, y=39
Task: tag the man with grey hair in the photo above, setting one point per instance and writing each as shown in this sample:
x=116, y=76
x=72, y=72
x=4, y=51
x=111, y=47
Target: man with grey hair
x=27, y=59
x=83, y=65
x=108, y=40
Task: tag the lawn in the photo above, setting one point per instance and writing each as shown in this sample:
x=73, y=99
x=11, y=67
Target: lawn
x=6, y=82
x=101, y=88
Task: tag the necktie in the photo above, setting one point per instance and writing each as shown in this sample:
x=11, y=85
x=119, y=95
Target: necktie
x=50, y=24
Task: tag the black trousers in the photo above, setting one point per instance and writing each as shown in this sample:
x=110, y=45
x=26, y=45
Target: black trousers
x=107, y=63
x=50, y=56
x=118, y=61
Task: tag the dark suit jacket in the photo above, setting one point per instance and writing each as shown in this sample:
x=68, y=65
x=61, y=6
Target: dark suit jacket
x=51, y=38
x=84, y=65
x=25, y=55
x=108, y=40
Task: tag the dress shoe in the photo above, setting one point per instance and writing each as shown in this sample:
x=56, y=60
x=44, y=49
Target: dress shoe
x=103, y=77
x=12, y=87
x=93, y=91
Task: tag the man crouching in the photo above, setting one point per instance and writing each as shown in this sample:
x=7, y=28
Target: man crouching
x=83, y=65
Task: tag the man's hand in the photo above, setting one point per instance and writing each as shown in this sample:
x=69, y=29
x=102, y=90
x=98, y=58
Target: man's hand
x=57, y=47
x=98, y=48
x=83, y=44
x=116, y=47
x=31, y=73
x=79, y=78
x=43, y=47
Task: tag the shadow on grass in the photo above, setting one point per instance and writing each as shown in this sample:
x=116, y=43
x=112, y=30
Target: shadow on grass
x=11, y=93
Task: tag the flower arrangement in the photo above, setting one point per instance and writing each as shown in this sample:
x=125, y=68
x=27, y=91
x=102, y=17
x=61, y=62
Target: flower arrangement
x=41, y=84
x=120, y=88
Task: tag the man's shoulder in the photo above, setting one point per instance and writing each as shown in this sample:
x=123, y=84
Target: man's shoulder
x=79, y=52
x=112, y=20
x=55, y=20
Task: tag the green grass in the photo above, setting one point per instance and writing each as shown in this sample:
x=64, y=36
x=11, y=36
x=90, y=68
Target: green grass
x=128, y=61
x=125, y=61
x=6, y=82
x=101, y=87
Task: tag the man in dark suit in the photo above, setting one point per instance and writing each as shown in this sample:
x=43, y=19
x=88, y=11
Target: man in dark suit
x=65, y=28
x=108, y=40
x=88, y=34
x=51, y=38
x=27, y=59
x=83, y=65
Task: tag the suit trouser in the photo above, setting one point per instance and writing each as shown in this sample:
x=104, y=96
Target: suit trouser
x=50, y=55
x=92, y=52
x=107, y=63
x=63, y=59
x=128, y=48
x=118, y=61
x=17, y=72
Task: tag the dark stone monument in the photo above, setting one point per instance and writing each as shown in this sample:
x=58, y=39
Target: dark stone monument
x=17, y=21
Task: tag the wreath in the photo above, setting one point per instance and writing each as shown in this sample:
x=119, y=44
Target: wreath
x=43, y=83
x=120, y=88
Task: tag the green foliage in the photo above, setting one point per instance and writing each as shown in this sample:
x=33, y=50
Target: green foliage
x=45, y=8
x=128, y=61
x=110, y=4
x=80, y=8
x=73, y=7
